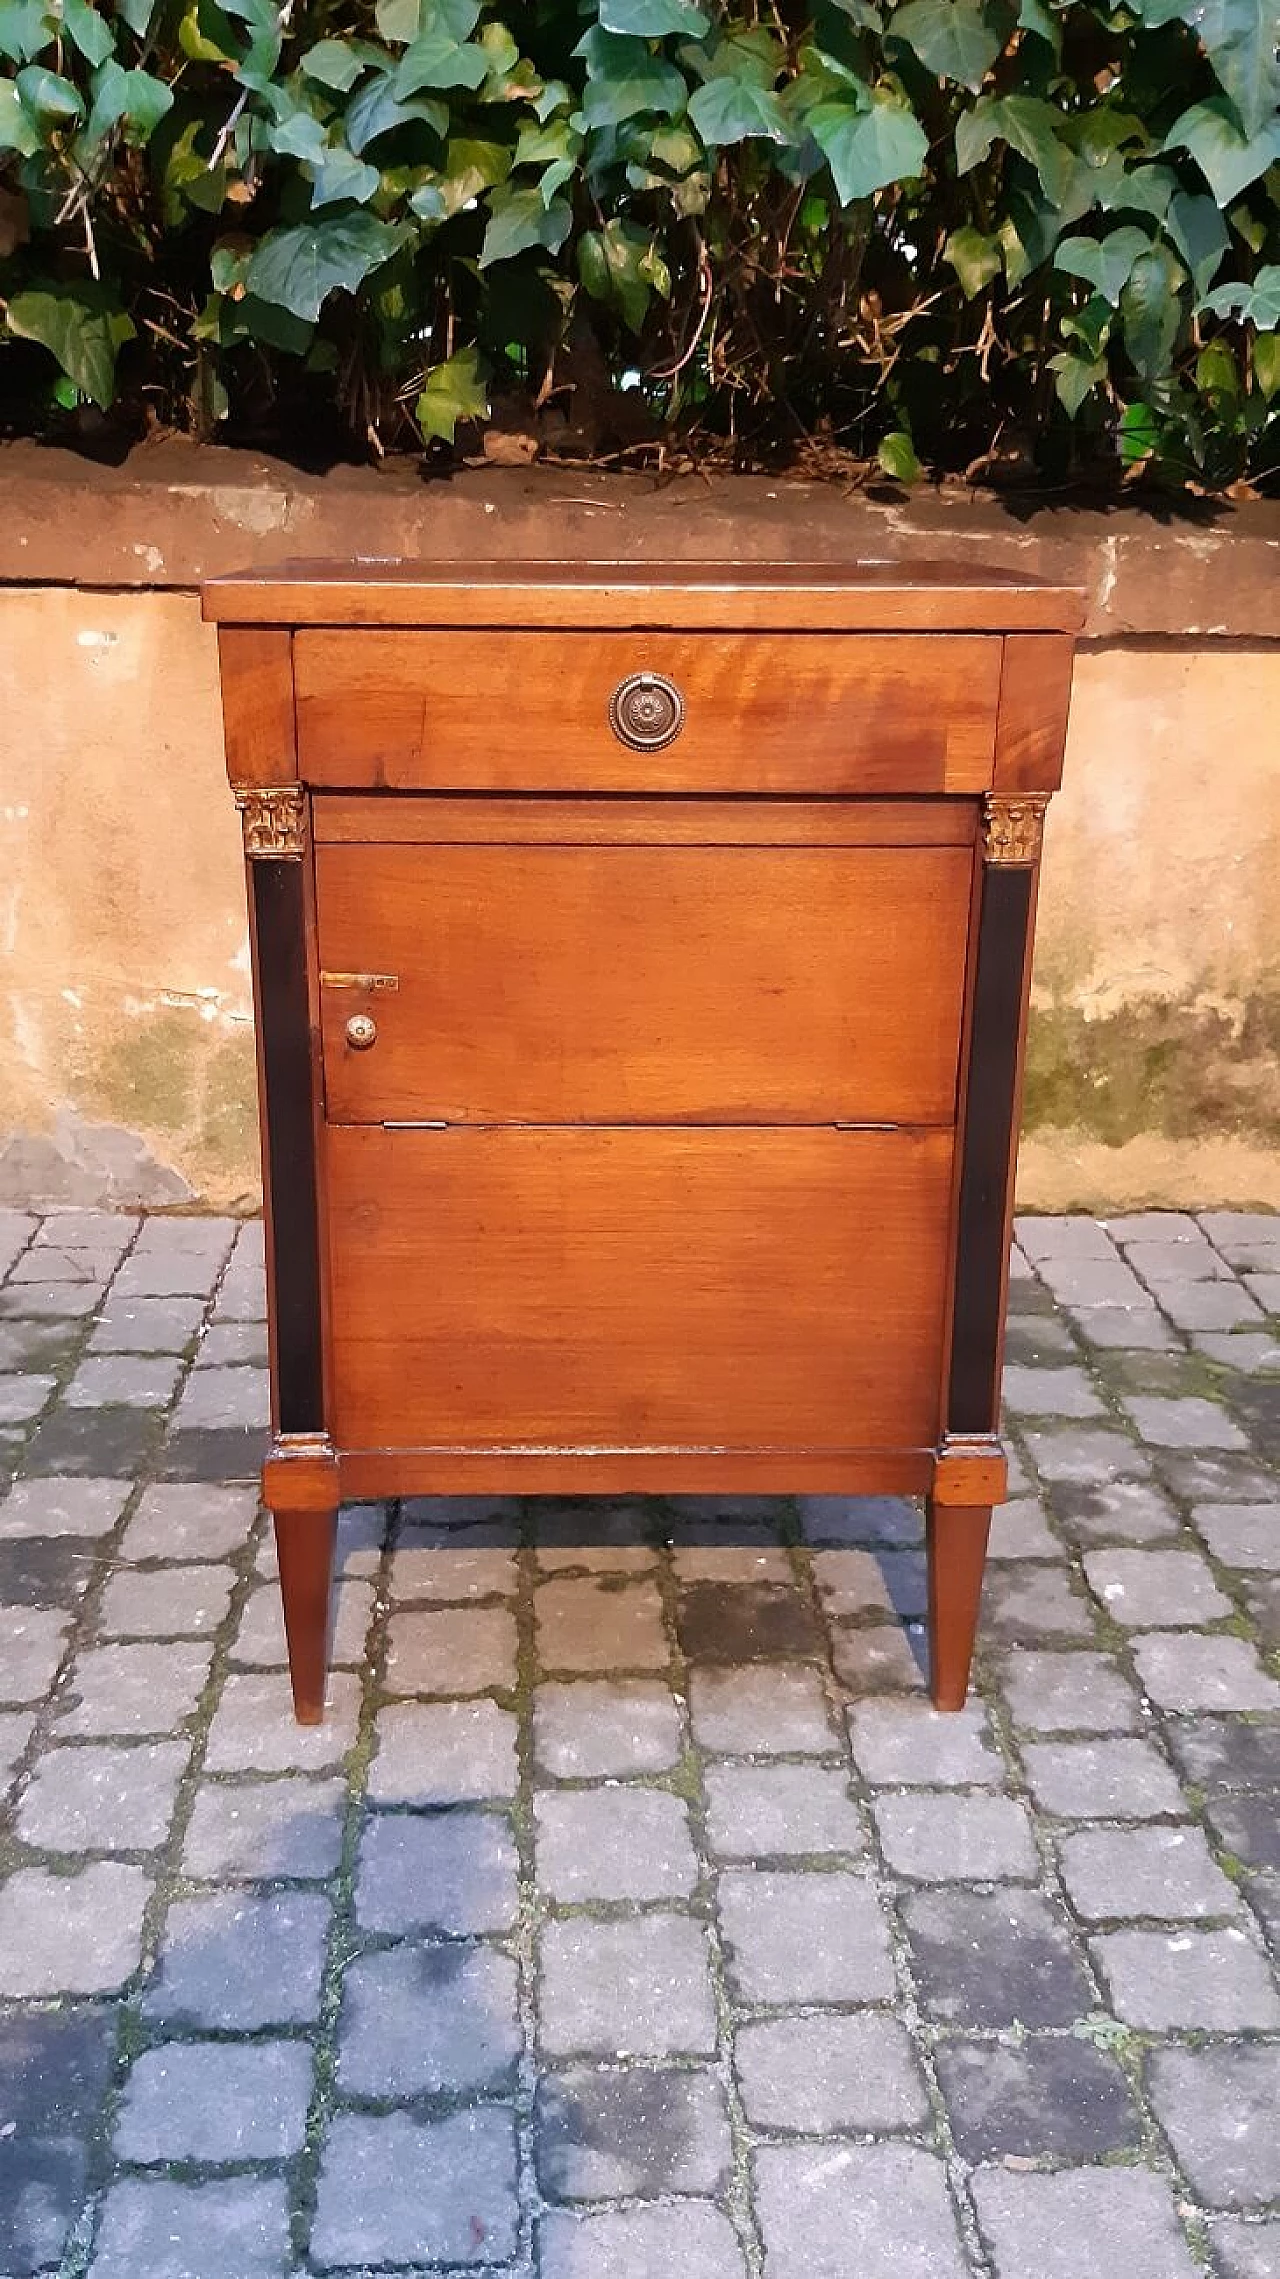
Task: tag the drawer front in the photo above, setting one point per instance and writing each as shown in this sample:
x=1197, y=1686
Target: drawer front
x=634, y=984
x=660, y=1289
x=802, y=712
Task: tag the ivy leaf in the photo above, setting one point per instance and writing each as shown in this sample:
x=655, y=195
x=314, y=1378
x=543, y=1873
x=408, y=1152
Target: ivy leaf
x=334, y=63
x=1228, y=159
x=81, y=326
x=952, y=38
x=471, y=167
x=624, y=77
x=1029, y=126
x=867, y=150
x=403, y=21
x=1033, y=16
x=976, y=259
x=1151, y=312
x=27, y=27
x=617, y=265
x=297, y=269
x=1259, y=302
x=1105, y=263
x=1239, y=37
x=134, y=96
x=435, y=60
x=50, y=99
x=727, y=110
x=1139, y=435
x=896, y=457
x=654, y=19
x=86, y=27
x=1266, y=363
x=377, y=110
x=452, y=391
x=137, y=15
x=339, y=176
x=1200, y=234
x=1075, y=377
x=518, y=220
x=18, y=129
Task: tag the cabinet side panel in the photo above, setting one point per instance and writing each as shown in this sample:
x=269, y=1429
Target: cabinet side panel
x=1031, y=727
x=277, y=902
x=256, y=666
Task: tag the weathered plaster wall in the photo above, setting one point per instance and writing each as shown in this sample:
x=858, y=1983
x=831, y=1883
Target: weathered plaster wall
x=126, y=1065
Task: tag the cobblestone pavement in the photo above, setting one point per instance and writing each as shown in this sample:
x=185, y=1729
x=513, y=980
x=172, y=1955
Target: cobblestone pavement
x=632, y=1914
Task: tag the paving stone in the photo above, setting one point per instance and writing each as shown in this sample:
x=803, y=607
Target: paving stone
x=1077, y=1455
x=1244, y=2250
x=1218, y=2107
x=180, y=1521
x=1101, y=1780
x=1039, y=1341
x=691, y=2237
x=1192, y=1258
x=48, y=1301
x=852, y=1583
x=233, y=2230
x=428, y=2020
x=865, y=1520
x=449, y=1752
x=1069, y=1692
x=447, y=1872
x=203, y=1236
x=1182, y=1670
x=46, y=1347
x=1051, y=2097
x=22, y=1398
x=598, y=1623
x=994, y=1959
x=230, y=1345
x=35, y=1640
x=1251, y=1351
x=1229, y=1229
x=146, y=1325
x=602, y=2134
x=745, y=1622
x=54, y=2070
x=215, y=2102
x=1155, y=1226
x=1124, y=1328
x=264, y=1829
x=911, y=1745
x=1248, y=1827
x=175, y=1274
x=1185, y=1423
x=768, y=1811
x=460, y=1522
x=1225, y=1752
x=1031, y=1391
x=1209, y=1305
x=1171, y=1376
x=731, y=1563
x=602, y=1727
x=766, y=1711
x=1155, y=1589
x=1201, y=1476
x=1261, y=1594
x=1265, y=1287
x=634, y=1987
x=1241, y=1534
x=1088, y=2223
x=1019, y=1530
x=1063, y=1236
x=254, y=1731
x=1263, y=1895
x=171, y=1602
x=399, y=2190
x=141, y=1380
x=16, y=1727
x=1128, y=1511
x=50, y=1507
x=133, y=1689
x=1166, y=1873
x=880, y=2211
x=102, y=1799
x=424, y=1576
x=260, y=1641
x=955, y=1839
x=875, y=1661
x=1022, y=1603
x=238, y=1961
x=829, y=2072
x=214, y=1397
x=795, y=1936
x=463, y=1649
x=613, y=1843
x=71, y=1934
x=99, y=1443
x=1214, y=1981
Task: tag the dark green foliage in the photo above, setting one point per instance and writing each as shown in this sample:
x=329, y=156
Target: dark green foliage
x=1030, y=237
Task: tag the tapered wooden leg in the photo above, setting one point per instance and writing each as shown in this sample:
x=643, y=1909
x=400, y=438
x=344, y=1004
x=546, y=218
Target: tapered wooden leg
x=304, y=1540
x=957, y=1547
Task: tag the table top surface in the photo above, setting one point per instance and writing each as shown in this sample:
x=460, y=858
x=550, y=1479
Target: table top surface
x=790, y=597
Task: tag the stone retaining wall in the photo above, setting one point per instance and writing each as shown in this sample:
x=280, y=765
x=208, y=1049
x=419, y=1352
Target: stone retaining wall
x=125, y=1029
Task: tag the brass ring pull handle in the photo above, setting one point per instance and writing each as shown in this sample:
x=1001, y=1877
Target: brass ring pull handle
x=646, y=711
x=362, y=1031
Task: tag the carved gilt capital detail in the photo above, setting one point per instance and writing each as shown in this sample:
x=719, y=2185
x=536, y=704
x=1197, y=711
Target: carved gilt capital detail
x=274, y=822
x=1011, y=828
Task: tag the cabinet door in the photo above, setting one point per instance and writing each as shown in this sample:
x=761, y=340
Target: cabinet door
x=724, y=984
x=677, y=1288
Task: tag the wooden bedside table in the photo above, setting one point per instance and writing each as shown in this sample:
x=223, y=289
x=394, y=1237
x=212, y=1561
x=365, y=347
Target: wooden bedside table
x=641, y=961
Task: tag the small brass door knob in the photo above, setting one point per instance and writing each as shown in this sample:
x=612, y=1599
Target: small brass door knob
x=362, y=1031
x=646, y=711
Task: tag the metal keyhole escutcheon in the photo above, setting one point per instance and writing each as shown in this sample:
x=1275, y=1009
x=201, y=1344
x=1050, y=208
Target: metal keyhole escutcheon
x=646, y=711
x=362, y=1031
